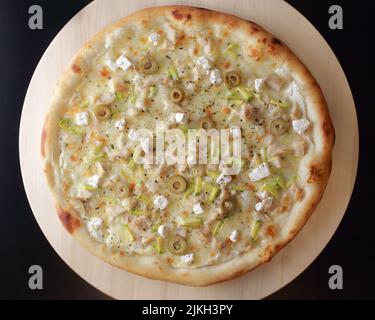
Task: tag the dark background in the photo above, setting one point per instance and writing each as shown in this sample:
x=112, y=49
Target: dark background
x=22, y=243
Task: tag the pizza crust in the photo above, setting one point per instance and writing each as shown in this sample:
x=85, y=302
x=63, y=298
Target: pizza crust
x=316, y=167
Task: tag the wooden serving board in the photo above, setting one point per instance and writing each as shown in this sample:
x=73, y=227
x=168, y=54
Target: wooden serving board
x=285, y=23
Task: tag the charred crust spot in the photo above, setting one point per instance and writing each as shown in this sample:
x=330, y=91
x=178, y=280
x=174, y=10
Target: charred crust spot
x=267, y=255
x=316, y=174
x=43, y=142
x=180, y=16
x=69, y=222
x=105, y=73
x=177, y=15
x=169, y=260
x=255, y=29
x=76, y=68
x=327, y=129
x=278, y=247
x=276, y=41
x=270, y=231
x=271, y=48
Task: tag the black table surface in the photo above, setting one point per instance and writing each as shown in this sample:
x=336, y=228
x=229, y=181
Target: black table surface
x=22, y=243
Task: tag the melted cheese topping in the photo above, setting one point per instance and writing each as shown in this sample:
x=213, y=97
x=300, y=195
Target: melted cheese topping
x=128, y=207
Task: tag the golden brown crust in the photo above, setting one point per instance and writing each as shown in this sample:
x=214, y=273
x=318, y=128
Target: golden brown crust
x=317, y=166
x=43, y=142
x=69, y=221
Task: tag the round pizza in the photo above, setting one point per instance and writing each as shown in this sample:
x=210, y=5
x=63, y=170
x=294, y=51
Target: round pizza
x=186, y=145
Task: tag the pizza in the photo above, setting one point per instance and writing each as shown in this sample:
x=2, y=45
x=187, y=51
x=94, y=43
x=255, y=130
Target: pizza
x=201, y=76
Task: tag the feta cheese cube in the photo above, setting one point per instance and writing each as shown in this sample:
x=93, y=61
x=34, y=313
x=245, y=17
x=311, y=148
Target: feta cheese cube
x=234, y=236
x=204, y=63
x=181, y=117
x=197, y=208
x=83, y=194
x=120, y=124
x=223, y=179
x=111, y=65
x=161, y=202
x=262, y=195
x=259, y=206
x=154, y=38
x=300, y=125
x=94, y=227
x=258, y=84
x=215, y=76
x=259, y=173
x=188, y=258
x=93, y=181
x=123, y=63
x=82, y=119
x=163, y=231
x=295, y=93
x=265, y=205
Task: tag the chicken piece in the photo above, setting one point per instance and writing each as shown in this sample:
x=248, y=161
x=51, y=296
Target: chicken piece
x=248, y=111
x=148, y=239
x=205, y=235
x=125, y=153
x=276, y=149
x=107, y=98
x=162, y=169
x=129, y=203
x=275, y=82
x=276, y=162
x=141, y=224
x=297, y=192
x=182, y=232
x=299, y=148
x=151, y=186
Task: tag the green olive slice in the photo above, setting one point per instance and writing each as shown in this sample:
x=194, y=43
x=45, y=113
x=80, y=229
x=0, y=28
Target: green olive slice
x=177, y=245
x=148, y=66
x=279, y=127
x=206, y=123
x=102, y=112
x=176, y=184
x=232, y=79
x=177, y=95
